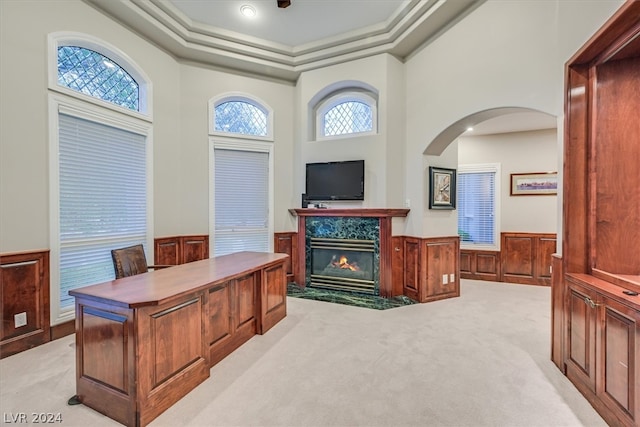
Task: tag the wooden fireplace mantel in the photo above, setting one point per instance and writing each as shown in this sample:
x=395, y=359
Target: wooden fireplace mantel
x=372, y=212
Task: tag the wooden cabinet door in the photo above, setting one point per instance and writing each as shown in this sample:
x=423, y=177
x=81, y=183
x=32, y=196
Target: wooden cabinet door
x=581, y=348
x=619, y=360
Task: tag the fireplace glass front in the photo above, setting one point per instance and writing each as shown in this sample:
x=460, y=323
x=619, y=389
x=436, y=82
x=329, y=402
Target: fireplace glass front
x=343, y=264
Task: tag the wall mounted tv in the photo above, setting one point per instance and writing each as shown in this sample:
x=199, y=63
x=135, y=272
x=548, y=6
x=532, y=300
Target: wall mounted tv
x=335, y=181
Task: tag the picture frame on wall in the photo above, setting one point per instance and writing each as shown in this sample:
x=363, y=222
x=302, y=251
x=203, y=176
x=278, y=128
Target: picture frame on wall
x=442, y=188
x=534, y=184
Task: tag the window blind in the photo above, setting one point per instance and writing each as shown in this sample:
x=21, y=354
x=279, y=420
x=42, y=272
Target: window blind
x=241, y=201
x=476, y=207
x=103, y=200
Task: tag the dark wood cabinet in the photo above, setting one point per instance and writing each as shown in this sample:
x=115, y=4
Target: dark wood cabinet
x=601, y=221
x=287, y=243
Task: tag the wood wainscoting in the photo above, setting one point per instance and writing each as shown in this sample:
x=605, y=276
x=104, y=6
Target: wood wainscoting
x=178, y=250
x=427, y=268
x=524, y=258
x=286, y=242
x=24, y=278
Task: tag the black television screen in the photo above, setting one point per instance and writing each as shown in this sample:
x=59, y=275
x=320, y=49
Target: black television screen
x=335, y=180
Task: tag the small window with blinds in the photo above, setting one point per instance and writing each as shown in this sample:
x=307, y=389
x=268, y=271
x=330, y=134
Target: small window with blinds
x=102, y=199
x=478, y=206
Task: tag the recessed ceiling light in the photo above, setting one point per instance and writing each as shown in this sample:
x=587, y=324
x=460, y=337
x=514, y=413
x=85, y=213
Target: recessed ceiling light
x=469, y=129
x=248, y=10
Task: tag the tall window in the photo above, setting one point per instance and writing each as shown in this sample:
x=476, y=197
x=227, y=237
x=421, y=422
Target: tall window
x=346, y=113
x=99, y=164
x=478, y=205
x=241, y=175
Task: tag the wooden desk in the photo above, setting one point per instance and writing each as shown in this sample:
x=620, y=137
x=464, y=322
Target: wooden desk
x=145, y=341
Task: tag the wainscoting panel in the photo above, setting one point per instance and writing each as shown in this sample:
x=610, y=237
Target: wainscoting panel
x=176, y=250
x=480, y=265
x=440, y=259
x=287, y=243
x=24, y=278
x=526, y=258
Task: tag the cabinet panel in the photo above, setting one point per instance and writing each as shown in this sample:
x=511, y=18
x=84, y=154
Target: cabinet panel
x=246, y=300
x=220, y=313
x=619, y=353
x=167, y=251
x=411, y=267
x=581, y=336
x=273, y=299
x=194, y=248
x=287, y=243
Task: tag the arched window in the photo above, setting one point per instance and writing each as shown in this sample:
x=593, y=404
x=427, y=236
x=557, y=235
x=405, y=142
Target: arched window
x=346, y=113
x=89, y=72
x=241, y=117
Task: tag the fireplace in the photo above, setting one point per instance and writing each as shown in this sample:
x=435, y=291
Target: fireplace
x=361, y=236
x=342, y=264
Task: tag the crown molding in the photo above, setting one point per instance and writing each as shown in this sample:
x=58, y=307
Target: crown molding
x=412, y=27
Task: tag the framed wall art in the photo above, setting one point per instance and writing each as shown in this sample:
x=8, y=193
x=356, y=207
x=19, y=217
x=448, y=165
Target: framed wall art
x=532, y=184
x=442, y=188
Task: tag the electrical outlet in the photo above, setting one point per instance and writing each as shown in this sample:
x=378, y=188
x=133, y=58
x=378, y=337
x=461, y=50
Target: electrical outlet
x=445, y=279
x=20, y=319
x=452, y=277
x=407, y=203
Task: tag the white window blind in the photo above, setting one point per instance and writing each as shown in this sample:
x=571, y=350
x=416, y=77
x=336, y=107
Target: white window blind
x=103, y=200
x=477, y=207
x=241, y=201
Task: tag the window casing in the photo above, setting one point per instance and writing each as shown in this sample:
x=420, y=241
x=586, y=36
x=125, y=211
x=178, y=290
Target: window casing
x=100, y=178
x=346, y=114
x=478, y=205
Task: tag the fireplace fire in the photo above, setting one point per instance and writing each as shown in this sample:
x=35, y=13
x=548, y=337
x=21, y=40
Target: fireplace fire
x=342, y=264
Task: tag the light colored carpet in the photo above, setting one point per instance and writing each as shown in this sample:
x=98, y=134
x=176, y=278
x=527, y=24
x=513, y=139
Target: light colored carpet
x=479, y=360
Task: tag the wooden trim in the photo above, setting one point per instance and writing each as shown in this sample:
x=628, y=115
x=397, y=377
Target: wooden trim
x=557, y=313
x=378, y=213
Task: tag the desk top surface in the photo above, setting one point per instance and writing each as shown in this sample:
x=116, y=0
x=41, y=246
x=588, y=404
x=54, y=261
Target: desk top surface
x=155, y=287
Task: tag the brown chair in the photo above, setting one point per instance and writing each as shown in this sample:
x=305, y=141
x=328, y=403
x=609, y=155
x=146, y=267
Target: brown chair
x=130, y=261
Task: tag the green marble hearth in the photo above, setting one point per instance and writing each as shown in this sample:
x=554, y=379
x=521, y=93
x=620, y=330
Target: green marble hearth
x=348, y=298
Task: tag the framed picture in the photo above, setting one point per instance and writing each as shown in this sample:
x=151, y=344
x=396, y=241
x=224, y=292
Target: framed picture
x=442, y=188
x=532, y=184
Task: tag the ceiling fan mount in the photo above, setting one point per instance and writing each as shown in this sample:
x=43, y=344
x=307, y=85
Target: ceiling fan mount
x=284, y=3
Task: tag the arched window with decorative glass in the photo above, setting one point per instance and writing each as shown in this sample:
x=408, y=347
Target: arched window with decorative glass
x=89, y=72
x=242, y=117
x=346, y=113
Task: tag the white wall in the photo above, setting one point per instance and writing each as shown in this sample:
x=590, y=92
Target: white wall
x=24, y=139
x=521, y=152
x=383, y=153
x=504, y=54
x=180, y=144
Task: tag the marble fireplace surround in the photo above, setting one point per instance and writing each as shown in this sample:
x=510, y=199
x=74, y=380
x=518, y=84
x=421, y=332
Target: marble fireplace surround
x=348, y=223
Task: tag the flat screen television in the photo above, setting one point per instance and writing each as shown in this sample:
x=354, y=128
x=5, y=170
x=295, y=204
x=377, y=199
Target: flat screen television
x=335, y=180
